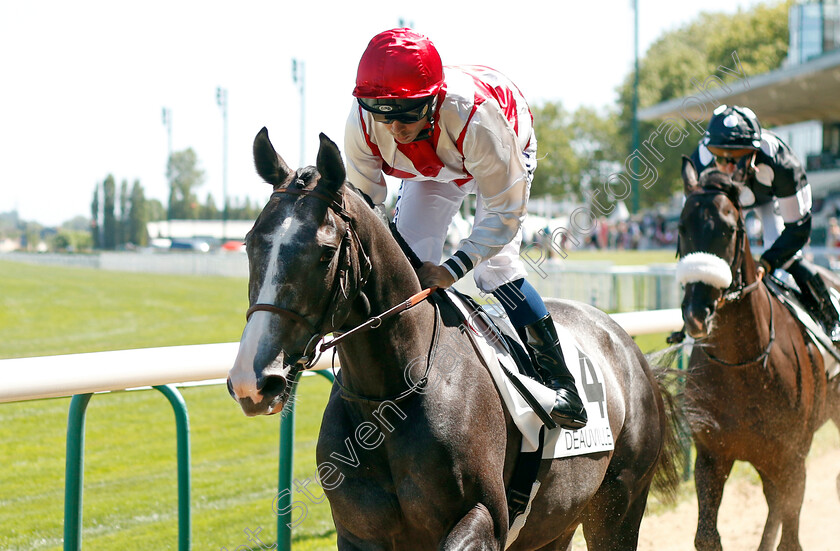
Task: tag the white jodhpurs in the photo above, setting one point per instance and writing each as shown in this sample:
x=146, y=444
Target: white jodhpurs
x=771, y=222
x=423, y=214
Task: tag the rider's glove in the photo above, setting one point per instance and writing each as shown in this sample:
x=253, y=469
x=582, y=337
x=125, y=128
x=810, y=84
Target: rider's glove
x=764, y=265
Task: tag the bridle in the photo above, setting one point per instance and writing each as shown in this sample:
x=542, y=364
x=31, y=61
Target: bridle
x=335, y=203
x=311, y=352
x=738, y=289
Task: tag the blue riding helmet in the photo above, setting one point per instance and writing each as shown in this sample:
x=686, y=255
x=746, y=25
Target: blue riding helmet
x=733, y=127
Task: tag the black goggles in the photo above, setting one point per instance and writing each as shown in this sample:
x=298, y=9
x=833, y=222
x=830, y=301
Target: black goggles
x=727, y=160
x=404, y=111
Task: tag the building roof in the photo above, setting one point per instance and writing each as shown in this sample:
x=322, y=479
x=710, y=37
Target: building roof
x=810, y=91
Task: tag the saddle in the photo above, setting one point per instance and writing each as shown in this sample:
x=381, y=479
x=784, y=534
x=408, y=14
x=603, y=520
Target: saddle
x=490, y=325
x=792, y=299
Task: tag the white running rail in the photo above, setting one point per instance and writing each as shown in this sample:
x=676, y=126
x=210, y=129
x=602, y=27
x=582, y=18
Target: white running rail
x=56, y=376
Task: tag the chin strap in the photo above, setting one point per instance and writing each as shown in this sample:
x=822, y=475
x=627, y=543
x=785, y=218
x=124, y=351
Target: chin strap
x=426, y=133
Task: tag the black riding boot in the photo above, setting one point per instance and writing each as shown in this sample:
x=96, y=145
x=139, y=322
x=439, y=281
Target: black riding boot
x=544, y=348
x=827, y=313
x=815, y=290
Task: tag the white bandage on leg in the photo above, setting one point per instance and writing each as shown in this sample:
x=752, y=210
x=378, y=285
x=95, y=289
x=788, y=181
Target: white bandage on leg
x=704, y=268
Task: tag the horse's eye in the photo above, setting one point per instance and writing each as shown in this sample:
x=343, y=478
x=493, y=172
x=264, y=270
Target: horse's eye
x=327, y=255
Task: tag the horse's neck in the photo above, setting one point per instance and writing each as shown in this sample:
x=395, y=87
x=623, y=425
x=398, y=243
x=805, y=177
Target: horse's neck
x=375, y=361
x=746, y=319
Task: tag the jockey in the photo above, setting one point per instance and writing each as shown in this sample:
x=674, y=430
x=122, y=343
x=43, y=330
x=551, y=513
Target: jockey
x=777, y=189
x=447, y=132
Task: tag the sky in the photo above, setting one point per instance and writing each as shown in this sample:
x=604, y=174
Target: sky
x=83, y=84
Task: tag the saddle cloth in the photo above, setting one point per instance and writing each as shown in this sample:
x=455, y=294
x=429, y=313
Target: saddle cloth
x=786, y=295
x=596, y=436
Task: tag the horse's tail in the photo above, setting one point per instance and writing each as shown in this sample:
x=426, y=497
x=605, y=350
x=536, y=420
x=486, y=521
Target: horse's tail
x=674, y=457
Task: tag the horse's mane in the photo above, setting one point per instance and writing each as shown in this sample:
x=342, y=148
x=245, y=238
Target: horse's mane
x=381, y=213
x=379, y=210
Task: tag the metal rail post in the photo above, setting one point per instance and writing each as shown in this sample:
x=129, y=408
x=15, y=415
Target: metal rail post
x=286, y=468
x=284, y=476
x=182, y=431
x=74, y=472
x=74, y=468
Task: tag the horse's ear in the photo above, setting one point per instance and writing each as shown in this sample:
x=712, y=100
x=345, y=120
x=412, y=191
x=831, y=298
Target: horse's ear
x=330, y=165
x=689, y=175
x=270, y=166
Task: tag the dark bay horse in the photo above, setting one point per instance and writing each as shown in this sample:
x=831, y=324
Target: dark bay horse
x=416, y=447
x=756, y=388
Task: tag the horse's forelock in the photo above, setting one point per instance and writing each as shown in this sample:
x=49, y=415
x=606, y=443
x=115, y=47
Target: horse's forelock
x=716, y=180
x=305, y=177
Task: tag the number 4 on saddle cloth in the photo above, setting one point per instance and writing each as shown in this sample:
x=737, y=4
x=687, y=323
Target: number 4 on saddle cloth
x=503, y=354
x=498, y=347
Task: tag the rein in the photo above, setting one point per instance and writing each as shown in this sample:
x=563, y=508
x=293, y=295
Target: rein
x=376, y=321
x=765, y=355
x=417, y=387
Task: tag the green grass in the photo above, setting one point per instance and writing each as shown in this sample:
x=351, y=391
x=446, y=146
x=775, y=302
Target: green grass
x=130, y=481
x=52, y=310
x=130, y=496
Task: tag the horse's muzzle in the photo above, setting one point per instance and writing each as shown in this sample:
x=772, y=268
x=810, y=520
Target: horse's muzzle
x=272, y=396
x=698, y=321
x=698, y=309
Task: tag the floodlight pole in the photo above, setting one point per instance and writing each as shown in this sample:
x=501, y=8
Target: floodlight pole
x=167, y=122
x=299, y=77
x=222, y=100
x=635, y=160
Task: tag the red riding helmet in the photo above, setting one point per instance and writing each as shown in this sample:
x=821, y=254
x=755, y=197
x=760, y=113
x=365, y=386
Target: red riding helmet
x=399, y=64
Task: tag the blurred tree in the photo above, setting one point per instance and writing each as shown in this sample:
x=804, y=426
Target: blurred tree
x=137, y=217
x=61, y=241
x=595, y=140
x=208, y=210
x=77, y=223
x=572, y=149
x=242, y=209
x=122, y=220
x=109, y=220
x=94, y=219
x=155, y=210
x=680, y=60
x=68, y=240
x=32, y=236
x=557, y=165
x=184, y=177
